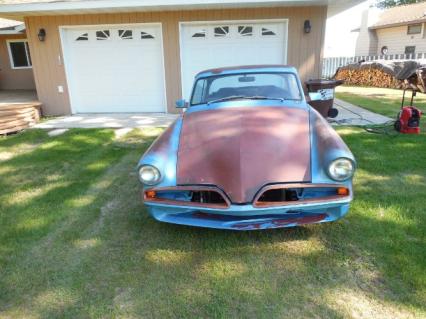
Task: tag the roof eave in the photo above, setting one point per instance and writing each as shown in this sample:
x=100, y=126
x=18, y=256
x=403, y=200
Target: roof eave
x=10, y=32
x=103, y=5
x=397, y=24
x=18, y=29
x=18, y=11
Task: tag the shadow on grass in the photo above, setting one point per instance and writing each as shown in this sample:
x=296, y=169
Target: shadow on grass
x=106, y=257
x=42, y=188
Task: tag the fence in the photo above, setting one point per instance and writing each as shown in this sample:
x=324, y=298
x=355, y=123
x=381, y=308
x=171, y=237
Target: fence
x=330, y=65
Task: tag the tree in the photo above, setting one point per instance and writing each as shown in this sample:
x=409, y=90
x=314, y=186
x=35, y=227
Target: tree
x=384, y=4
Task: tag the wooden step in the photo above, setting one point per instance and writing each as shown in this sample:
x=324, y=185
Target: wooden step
x=17, y=117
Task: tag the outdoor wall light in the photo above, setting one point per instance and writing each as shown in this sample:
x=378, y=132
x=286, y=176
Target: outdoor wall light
x=307, y=26
x=41, y=34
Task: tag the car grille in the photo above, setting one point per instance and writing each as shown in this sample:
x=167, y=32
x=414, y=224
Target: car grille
x=269, y=196
x=188, y=196
x=291, y=194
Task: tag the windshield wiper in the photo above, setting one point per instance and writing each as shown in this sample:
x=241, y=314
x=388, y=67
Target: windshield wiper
x=227, y=98
x=255, y=97
x=260, y=97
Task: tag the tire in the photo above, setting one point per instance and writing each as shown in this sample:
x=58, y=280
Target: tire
x=397, y=125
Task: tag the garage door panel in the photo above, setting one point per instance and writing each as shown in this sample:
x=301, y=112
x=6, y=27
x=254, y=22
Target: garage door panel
x=221, y=44
x=116, y=74
x=96, y=103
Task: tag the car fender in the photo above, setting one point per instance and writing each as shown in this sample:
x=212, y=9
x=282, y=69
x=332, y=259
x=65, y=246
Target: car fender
x=326, y=146
x=163, y=154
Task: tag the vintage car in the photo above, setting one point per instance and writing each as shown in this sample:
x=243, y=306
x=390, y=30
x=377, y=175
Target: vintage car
x=248, y=153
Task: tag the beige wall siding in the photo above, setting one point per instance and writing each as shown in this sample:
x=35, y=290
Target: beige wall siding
x=13, y=79
x=396, y=39
x=304, y=50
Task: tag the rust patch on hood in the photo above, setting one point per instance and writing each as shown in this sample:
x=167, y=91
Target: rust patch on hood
x=242, y=149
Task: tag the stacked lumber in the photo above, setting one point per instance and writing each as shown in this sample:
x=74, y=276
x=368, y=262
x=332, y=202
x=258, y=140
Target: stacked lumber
x=385, y=74
x=16, y=117
x=368, y=77
x=420, y=80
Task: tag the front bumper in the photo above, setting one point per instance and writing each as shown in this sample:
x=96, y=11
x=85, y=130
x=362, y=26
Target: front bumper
x=247, y=217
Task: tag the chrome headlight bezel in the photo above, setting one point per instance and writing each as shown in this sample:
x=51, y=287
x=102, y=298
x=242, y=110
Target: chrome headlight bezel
x=342, y=163
x=146, y=170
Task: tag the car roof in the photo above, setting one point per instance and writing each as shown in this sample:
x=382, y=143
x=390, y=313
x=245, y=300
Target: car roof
x=247, y=68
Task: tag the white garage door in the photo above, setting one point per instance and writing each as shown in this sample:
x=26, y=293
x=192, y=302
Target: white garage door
x=220, y=44
x=115, y=68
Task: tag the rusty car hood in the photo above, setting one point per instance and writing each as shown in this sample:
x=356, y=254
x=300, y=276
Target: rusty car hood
x=241, y=149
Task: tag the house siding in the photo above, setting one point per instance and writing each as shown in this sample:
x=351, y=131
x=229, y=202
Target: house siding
x=13, y=79
x=305, y=51
x=396, y=39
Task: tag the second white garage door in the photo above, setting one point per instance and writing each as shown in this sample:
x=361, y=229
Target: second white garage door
x=206, y=45
x=115, y=68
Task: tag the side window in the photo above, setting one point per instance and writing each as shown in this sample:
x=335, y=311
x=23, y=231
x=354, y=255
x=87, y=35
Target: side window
x=410, y=50
x=198, y=94
x=19, y=54
x=291, y=86
x=414, y=29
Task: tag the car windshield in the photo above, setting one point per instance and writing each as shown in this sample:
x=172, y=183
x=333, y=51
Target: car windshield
x=280, y=86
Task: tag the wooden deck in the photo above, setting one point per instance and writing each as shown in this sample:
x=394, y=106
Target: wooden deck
x=15, y=117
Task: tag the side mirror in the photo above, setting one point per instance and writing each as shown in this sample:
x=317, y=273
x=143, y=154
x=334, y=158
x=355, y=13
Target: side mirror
x=181, y=104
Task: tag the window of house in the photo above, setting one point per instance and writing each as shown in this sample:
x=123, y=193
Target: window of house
x=221, y=31
x=266, y=31
x=19, y=54
x=414, y=29
x=83, y=37
x=102, y=35
x=146, y=35
x=125, y=34
x=245, y=31
x=199, y=34
x=410, y=50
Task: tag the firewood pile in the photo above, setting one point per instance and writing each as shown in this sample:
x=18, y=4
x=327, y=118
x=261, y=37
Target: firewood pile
x=395, y=75
x=16, y=117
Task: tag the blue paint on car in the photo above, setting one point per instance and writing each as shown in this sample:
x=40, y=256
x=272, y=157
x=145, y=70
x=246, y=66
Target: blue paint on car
x=177, y=208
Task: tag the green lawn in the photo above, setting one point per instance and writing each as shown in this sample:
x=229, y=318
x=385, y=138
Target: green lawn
x=75, y=241
x=383, y=101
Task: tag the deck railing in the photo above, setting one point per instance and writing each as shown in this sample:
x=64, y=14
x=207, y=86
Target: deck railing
x=330, y=65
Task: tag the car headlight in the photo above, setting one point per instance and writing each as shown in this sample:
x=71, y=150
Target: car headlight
x=341, y=169
x=149, y=175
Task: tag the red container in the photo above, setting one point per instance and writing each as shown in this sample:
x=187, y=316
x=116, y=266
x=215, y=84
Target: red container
x=408, y=121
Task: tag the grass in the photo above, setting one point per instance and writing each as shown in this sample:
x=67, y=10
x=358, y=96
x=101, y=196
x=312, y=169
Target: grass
x=75, y=241
x=383, y=101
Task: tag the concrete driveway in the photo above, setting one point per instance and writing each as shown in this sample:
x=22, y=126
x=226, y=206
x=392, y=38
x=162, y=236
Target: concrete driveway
x=348, y=115
x=109, y=120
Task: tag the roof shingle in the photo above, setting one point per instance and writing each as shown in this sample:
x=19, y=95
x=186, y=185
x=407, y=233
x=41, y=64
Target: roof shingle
x=5, y=23
x=401, y=15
